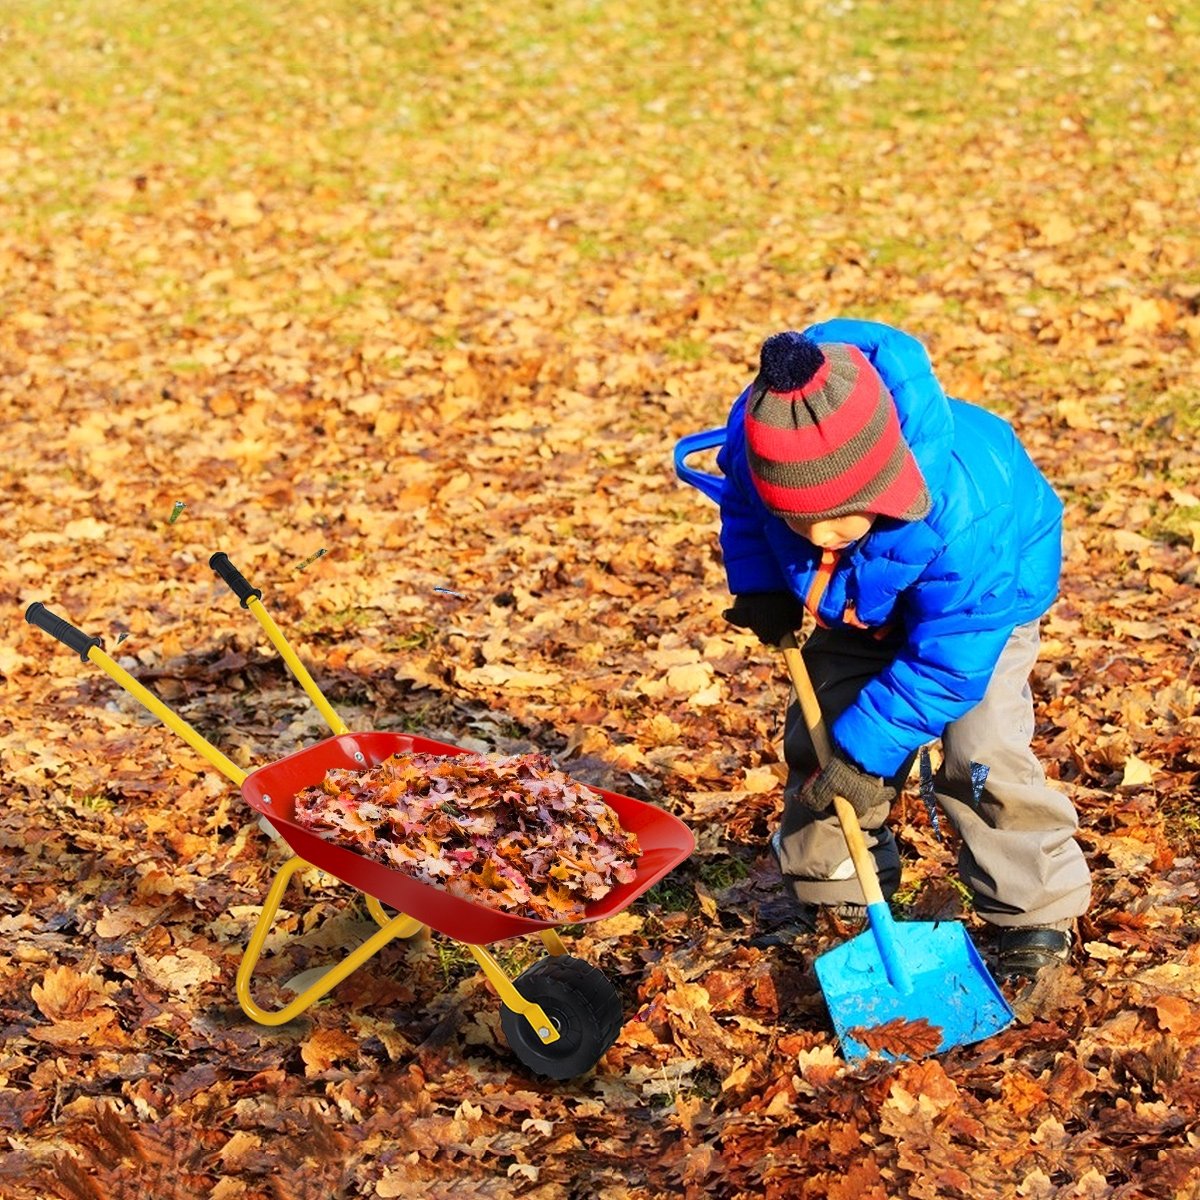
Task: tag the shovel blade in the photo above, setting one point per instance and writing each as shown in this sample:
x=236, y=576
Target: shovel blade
x=954, y=999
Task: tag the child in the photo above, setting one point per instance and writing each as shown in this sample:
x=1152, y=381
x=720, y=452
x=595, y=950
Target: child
x=926, y=545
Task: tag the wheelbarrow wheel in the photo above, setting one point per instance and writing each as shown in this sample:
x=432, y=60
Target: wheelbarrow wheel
x=583, y=1006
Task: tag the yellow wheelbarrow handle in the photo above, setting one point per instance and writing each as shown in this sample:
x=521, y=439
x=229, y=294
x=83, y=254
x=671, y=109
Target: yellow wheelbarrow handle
x=251, y=598
x=88, y=649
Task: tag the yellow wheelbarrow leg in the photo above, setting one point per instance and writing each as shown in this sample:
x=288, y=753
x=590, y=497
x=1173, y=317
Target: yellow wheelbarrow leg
x=382, y=919
x=399, y=926
x=550, y=939
x=552, y=942
x=541, y=1024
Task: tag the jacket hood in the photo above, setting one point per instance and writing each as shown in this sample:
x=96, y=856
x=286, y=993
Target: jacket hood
x=903, y=364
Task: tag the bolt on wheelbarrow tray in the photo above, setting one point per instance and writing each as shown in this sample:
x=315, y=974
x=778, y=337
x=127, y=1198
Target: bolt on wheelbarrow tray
x=559, y=1016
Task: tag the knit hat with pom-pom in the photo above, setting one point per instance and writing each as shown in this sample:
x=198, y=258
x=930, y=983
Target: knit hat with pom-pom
x=822, y=435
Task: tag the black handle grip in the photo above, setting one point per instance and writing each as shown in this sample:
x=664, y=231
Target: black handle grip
x=238, y=583
x=74, y=639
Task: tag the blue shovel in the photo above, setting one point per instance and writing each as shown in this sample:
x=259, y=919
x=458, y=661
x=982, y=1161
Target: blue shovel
x=906, y=990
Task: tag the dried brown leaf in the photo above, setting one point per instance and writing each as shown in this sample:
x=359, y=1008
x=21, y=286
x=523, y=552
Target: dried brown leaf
x=900, y=1038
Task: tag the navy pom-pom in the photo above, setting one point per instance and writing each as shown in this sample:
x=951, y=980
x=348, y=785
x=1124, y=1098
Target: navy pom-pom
x=789, y=361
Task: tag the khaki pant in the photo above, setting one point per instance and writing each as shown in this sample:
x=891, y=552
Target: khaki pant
x=1019, y=856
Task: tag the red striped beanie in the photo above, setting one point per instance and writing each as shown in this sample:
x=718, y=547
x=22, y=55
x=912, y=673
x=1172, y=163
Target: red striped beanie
x=822, y=435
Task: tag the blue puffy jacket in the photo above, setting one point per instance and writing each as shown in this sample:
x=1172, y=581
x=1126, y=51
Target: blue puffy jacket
x=956, y=584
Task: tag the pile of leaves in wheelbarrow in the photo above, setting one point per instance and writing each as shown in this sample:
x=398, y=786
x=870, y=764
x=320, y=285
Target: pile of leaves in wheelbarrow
x=509, y=831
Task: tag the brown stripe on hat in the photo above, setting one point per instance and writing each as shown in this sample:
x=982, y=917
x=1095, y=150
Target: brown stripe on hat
x=823, y=469
x=892, y=482
x=823, y=437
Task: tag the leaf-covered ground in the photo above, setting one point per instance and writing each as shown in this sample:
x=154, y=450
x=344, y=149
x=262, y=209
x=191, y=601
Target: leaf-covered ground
x=435, y=289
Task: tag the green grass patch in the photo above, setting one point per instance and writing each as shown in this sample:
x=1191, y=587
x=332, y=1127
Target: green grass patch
x=418, y=638
x=96, y=802
x=720, y=872
x=1181, y=827
x=1176, y=524
x=910, y=891
x=686, y=349
x=456, y=962
x=672, y=894
x=338, y=621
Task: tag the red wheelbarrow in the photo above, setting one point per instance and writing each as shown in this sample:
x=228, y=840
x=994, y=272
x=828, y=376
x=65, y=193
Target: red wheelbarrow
x=559, y=1016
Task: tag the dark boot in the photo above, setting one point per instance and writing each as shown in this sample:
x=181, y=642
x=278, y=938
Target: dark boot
x=1026, y=950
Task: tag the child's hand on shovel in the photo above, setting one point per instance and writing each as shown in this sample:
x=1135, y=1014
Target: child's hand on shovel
x=770, y=616
x=842, y=778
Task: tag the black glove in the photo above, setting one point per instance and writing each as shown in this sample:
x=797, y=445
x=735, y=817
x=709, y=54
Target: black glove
x=768, y=615
x=841, y=778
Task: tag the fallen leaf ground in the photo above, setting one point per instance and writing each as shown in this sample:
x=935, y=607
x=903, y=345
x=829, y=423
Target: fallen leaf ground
x=436, y=292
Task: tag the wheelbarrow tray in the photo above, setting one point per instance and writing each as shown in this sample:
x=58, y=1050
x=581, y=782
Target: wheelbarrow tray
x=271, y=790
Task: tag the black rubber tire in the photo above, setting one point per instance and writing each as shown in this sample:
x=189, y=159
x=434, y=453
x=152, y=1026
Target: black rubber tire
x=584, y=1006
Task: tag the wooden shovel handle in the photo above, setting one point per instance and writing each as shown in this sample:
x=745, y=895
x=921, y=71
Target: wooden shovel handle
x=864, y=864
